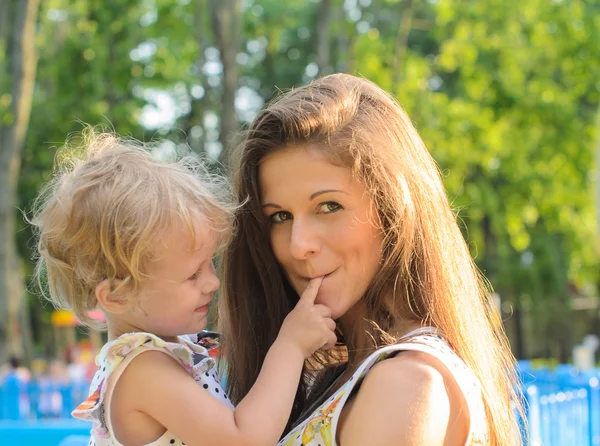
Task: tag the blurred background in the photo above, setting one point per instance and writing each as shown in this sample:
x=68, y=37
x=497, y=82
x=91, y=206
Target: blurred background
x=505, y=94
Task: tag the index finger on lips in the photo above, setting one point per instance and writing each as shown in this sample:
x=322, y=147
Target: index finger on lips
x=310, y=293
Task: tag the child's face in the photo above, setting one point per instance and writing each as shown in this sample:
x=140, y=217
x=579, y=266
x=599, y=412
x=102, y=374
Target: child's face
x=176, y=297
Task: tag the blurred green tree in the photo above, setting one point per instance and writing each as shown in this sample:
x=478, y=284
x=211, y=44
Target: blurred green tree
x=504, y=92
x=18, y=58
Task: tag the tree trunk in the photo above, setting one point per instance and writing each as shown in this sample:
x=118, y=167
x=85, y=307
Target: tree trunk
x=346, y=31
x=270, y=60
x=598, y=174
x=226, y=24
x=322, y=38
x=402, y=45
x=4, y=41
x=18, y=74
x=519, y=344
x=198, y=106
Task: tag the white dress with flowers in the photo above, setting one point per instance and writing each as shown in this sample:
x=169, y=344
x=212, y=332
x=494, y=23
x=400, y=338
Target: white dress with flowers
x=319, y=429
x=112, y=361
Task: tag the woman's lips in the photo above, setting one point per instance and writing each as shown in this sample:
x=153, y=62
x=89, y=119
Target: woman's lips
x=324, y=276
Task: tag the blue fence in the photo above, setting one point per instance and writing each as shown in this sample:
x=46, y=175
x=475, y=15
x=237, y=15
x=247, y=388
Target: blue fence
x=39, y=413
x=563, y=405
x=39, y=399
x=45, y=433
x=563, y=409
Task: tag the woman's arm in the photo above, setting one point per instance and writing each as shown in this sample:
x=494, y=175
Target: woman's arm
x=409, y=400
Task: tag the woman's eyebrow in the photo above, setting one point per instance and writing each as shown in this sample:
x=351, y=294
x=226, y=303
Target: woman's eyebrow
x=312, y=197
x=271, y=205
x=321, y=192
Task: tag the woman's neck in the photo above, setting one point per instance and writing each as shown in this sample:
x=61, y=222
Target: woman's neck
x=359, y=336
x=352, y=324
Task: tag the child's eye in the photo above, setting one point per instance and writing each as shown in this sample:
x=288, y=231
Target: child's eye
x=208, y=264
x=330, y=207
x=280, y=217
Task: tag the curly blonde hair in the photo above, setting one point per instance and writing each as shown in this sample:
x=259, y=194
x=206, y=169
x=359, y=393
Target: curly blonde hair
x=105, y=209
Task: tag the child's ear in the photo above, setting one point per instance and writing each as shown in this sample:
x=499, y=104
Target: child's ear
x=116, y=303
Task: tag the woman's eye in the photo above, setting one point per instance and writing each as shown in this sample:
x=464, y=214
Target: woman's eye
x=280, y=217
x=195, y=275
x=329, y=207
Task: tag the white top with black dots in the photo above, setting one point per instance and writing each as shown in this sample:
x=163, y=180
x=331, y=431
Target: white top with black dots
x=112, y=361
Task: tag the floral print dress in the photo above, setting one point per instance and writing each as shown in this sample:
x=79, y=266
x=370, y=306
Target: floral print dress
x=112, y=361
x=320, y=428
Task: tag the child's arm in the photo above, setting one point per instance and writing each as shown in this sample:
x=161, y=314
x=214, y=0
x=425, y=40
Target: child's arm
x=191, y=413
x=309, y=327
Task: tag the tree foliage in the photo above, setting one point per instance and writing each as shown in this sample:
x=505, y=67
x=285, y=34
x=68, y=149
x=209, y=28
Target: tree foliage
x=504, y=92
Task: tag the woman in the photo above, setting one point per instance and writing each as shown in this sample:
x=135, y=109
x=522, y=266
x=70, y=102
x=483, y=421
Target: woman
x=339, y=185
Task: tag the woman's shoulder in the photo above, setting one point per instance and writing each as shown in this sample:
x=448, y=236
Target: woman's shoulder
x=428, y=341
x=404, y=380
x=405, y=397
x=426, y=346
x=423, y=361
x=420, y=371
x=430, y=347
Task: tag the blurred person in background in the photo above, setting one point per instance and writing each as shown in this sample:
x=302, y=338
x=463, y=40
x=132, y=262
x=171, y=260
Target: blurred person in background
x=51, y=382
x=15, y=368
x=14, y=378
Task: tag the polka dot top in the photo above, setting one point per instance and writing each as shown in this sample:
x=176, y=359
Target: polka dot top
x=112, y=361
x=319, y=429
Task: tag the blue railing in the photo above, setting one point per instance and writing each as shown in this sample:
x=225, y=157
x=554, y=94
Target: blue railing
x=39, y=413
x=563, y=408
x=39, y=399
x=563, y=405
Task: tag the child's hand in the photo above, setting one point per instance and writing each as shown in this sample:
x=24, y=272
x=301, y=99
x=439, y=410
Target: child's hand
x=309, y=326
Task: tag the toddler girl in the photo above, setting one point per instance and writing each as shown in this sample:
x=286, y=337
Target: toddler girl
x=136, y=237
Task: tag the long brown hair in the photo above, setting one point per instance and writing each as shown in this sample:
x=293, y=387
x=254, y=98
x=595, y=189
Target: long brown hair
x=426, y=266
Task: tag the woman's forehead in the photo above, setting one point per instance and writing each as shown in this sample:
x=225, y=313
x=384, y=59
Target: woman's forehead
x=293, y=167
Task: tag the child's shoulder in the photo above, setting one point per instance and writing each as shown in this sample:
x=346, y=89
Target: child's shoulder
x=115, y=351
x=116, y=354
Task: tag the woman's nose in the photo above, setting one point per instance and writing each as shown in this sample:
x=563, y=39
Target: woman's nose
x=304, y=241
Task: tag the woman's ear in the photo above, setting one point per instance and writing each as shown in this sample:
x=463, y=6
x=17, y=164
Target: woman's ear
x=116, y=303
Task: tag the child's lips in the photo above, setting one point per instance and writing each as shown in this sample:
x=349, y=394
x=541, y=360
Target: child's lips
x=203, y=308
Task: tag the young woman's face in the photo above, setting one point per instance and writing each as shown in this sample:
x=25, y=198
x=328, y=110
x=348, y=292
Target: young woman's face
x=322, y=223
